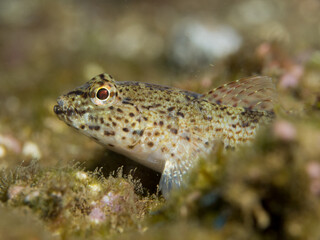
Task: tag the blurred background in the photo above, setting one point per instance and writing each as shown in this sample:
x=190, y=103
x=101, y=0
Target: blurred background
x=270, y=190
x=49, y=47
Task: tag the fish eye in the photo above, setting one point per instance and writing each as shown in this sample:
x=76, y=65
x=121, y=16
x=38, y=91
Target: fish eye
x=102, y=94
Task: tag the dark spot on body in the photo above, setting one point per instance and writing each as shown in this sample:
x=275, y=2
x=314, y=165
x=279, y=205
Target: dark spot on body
x=76, y=92
x=150, y=144
x=234, y=125
x=94, y=128
x=125, y=129
x=101, y=120
x=145, y=118
x=131, y=114
x=228, y=147
x=107, y=133
x=245, y=124
x=126, y=102
x=171, y=109
x=119, y=110
x=102, y=76
x=114, y=124
x=164, y=149
x=174, y=131
x=180, y=114
x=110, y=145
x=161, y=123
x=70, y=112
x=82, y=126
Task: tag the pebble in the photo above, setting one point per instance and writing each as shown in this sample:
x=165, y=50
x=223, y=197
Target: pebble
x=195, y=43
x=31, y=149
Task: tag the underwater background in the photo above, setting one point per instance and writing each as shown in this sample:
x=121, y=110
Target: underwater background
x=57, y=184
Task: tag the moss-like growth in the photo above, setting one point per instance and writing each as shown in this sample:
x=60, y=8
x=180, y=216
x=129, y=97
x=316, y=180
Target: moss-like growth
x=73, y=202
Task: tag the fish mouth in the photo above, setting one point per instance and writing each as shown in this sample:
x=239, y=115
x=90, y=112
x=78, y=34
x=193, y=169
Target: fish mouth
x=58, y=110
x=61, y=109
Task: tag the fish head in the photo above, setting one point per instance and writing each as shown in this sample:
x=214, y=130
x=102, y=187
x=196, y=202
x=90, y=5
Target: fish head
x=98, y=110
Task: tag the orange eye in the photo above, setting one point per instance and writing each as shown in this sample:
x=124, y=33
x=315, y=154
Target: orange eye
x=103, y=94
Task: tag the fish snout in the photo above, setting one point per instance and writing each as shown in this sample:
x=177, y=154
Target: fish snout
x=58, y=109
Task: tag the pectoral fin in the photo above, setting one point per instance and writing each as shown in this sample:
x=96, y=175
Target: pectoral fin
x=174, y=176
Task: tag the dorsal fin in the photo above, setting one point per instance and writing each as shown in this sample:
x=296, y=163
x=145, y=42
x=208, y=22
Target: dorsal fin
x=254, y=93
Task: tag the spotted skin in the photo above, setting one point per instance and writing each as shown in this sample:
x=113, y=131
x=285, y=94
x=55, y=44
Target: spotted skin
x=165, y=128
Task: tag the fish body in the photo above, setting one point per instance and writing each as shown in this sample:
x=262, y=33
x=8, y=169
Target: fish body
x=164, y=128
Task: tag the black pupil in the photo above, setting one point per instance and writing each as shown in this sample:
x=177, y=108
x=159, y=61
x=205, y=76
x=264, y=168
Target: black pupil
x=103, y=94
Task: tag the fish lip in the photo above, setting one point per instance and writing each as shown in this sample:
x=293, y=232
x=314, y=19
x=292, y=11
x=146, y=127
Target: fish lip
x=61, y=109
x=57, y=110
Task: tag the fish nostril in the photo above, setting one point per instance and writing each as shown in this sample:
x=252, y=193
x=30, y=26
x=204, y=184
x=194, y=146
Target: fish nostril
x=60, y=102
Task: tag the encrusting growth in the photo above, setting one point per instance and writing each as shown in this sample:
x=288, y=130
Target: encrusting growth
x=165, y=128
